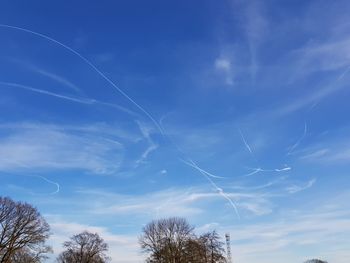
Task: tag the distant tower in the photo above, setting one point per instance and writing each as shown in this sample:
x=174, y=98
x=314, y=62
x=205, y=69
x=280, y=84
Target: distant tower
x=228, y=248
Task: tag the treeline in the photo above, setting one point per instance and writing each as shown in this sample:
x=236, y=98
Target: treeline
x=24, y=232
x=173, y=240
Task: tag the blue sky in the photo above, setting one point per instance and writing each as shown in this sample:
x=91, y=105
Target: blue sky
x=233, y=114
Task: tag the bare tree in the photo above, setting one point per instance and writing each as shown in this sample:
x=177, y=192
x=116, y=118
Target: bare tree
x=214, y=248
x=173, y=240
x=23, y=232
x=166, y=240
x=26, y=256
x=85, y=247
x=315, y=261
x=196, y=251
x=206, y=248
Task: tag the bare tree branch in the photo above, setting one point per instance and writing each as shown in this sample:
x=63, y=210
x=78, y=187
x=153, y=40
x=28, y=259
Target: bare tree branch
x=23, y=232
x=85, y=247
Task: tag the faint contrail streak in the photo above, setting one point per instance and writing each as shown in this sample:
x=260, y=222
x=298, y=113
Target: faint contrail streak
x=283, y=169
x=41, y=177
x=57, y=78
x=255, y=171
x=203, y=172
x=123, y=94
x=194, y=165
x=73, y=99
x=50, y=182
x=299, y=141
x=220, y=190
x=47, y=74
x=258, y=170
x=92, y=66
x=245, y=142
x=344, y=73
x=268, y=184
x=79, y=100
x=151, y=145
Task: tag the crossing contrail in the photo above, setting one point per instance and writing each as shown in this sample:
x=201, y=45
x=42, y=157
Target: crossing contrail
x=124, y=94
x=220, y=190
x=95, y=68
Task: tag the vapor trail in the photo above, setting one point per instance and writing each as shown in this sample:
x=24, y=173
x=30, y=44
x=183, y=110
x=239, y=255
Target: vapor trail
x=73, y=99
x=206, y=174
x=92, y=66
x=194, y=165
x=283, y=169
x=41, y=177
x=255, y=171
x=220, y=190
x=299, y=141
x=278, y=170
x=245, y=142
x=266, y=185
x=344, y=73
x=79, y=100
x=50, y=182
x=125, y=95
x=56, y=78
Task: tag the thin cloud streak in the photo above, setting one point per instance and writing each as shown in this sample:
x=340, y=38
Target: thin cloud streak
x=216, y=187
x=297, y=188
x=86, y=101
x=49, y=148
x=88, y=62
x=146, y=133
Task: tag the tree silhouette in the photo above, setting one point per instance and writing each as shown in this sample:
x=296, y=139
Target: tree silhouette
x=172, y=240
x=315, y=261
x=85, y=247
x=23, y=232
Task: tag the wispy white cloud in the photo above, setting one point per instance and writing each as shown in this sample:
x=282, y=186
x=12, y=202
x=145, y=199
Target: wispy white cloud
x=297, y=188
x=310, y=99
x=333, y=148
x=249, y=242
x=330, y=56
x=96, y=129
x=256, y=207
x=315, y=155
x=161, y=203
x=163, y=172
x=262, y=186
x=325, y=56
x=335, y=154
x=255, y=26
x=257, y=242
x=146, y=131
x=223, y=65
x=187, y=203
x=49, y=147
x=326, y=224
